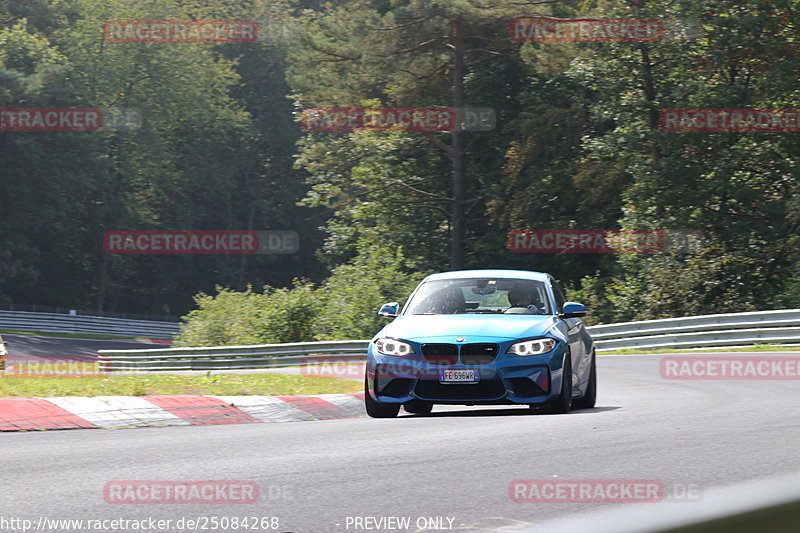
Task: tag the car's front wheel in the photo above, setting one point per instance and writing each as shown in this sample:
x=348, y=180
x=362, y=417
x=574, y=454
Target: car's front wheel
x=588, y=400
x=563, y=403
x=377, y=409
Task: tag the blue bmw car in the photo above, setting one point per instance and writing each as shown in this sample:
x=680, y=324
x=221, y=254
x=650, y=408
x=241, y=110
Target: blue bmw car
x=482, y=337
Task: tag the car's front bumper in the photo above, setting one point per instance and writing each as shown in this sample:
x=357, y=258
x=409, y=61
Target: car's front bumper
x=508, y=378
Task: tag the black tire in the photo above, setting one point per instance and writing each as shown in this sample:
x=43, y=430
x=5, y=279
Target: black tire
x=588, y=400
x=377, y=409
x=418, y=407
x=563, y=403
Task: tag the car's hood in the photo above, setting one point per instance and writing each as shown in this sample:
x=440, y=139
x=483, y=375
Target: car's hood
x=501, y=326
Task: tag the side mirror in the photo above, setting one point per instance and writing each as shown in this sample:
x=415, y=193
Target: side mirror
x=389, y=310
x=573, y=310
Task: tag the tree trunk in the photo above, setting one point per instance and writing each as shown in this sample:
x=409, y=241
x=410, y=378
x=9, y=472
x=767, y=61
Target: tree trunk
x=458, y=223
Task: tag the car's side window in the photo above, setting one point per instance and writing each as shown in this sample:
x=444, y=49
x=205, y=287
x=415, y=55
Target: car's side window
x=559, y=295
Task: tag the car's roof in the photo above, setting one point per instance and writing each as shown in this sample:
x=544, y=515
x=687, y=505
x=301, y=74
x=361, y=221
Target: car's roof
x=489, y=273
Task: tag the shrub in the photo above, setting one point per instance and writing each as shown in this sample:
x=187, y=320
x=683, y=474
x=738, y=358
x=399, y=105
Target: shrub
x=342, y=308
x=353, y=293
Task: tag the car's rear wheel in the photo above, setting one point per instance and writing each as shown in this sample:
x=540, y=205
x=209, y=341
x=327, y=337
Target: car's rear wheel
x=588, y=400
x=377, y=409
x=418, y=407
x=563, y=403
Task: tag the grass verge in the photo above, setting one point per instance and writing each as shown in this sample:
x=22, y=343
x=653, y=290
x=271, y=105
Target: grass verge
x=755, y=348
x=218, y=384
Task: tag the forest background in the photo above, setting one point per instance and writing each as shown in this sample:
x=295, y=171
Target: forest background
x=576, y=144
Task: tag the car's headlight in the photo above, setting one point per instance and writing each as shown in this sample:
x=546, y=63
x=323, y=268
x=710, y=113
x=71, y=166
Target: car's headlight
x=388, y=346
x=534, y=347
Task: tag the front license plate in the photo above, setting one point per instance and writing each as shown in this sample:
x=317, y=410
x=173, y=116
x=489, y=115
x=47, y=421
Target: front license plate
x=459, y=376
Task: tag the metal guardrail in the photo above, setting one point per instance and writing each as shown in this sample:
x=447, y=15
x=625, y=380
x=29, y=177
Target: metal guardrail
x=65, y=323
x=730, y=329
x=765, y=327
x=33, y=308
x=233, y=357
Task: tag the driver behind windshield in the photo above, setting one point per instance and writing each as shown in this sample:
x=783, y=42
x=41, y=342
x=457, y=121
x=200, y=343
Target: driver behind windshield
x=521, y=302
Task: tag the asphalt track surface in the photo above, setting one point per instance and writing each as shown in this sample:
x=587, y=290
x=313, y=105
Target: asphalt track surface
x=24, y=345
x=458, y=463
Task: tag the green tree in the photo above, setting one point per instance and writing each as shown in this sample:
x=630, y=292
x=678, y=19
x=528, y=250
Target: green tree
x=735, y=187
x=415, y=53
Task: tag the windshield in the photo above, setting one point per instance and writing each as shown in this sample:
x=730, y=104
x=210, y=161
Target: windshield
x=479, y=295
